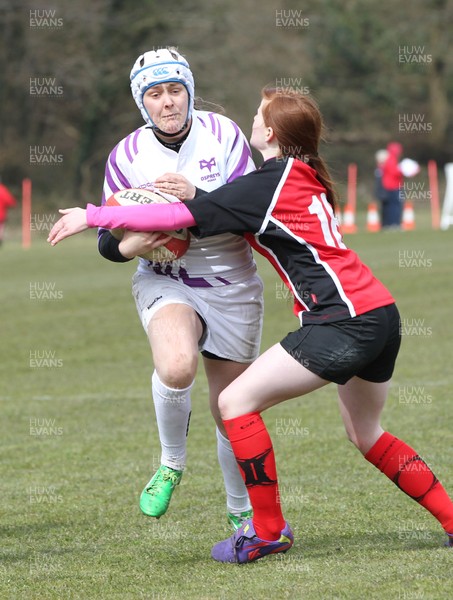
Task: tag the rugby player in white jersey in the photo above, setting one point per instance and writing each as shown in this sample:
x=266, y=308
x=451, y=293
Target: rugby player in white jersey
x=210, y=300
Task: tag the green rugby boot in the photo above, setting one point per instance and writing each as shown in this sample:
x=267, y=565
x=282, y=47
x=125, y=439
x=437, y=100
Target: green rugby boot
x=236, y=521
x=156, y=496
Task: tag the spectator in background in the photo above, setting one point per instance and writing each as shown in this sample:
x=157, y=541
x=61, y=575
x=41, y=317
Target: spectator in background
x=392, y=178
x=7, y=201
x=379, y=192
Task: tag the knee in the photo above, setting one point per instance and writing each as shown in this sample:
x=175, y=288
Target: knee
x=178, y=373
x=224, y=404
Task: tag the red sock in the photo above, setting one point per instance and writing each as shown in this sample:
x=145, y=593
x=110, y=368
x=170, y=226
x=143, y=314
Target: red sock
x=413, y=476
x=252, y=447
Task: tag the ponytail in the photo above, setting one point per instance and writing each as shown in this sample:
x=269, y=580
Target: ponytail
x=324, y=177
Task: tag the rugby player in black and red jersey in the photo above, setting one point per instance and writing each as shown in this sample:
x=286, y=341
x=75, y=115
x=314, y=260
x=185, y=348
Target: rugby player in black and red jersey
x=349, y=330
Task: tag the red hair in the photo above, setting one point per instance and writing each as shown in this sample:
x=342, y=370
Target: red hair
x=297, y=123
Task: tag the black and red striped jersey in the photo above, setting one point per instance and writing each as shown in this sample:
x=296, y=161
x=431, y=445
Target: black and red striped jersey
x=283, y=211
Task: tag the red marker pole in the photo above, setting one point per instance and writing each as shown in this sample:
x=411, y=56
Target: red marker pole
x=26, y=213
x=348, y=222
x=434, y=188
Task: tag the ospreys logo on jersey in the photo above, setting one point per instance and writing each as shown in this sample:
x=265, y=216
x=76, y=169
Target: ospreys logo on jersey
x=208, y=164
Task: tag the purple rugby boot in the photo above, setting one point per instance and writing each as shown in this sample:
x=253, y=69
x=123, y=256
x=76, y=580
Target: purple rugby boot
x=245, y=546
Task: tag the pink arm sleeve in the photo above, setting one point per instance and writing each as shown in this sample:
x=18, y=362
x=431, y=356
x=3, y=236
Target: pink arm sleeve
x=143, y=217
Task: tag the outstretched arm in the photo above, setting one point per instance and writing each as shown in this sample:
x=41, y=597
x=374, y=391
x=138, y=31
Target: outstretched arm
x=144, y=217
x=74, y=221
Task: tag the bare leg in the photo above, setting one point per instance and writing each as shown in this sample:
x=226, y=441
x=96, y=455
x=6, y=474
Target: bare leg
x=273, y=378
x=361, y=403
x=173, y=334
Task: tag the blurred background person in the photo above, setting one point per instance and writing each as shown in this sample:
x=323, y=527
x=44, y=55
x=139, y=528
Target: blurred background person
x=379, y=192
x=392, y=179
x=7, y=201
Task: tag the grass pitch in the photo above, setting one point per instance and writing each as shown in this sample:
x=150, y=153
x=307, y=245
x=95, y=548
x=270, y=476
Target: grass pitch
x=79, y=441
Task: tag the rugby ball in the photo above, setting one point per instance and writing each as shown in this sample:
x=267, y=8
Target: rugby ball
x=174, y=248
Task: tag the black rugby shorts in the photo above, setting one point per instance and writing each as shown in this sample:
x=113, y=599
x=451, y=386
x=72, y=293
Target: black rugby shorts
x=365, y=346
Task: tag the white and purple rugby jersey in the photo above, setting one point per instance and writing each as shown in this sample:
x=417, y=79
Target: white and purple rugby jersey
x=215, y=152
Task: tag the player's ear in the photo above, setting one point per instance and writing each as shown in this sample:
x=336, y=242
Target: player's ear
x=270, y=135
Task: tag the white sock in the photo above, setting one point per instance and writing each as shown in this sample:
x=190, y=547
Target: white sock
x=237, y=495
x=172, y=414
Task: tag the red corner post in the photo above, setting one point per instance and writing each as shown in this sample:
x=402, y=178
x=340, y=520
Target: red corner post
x=26, y=213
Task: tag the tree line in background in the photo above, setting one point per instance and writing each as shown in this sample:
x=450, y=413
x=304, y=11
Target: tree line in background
x=380, y=72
